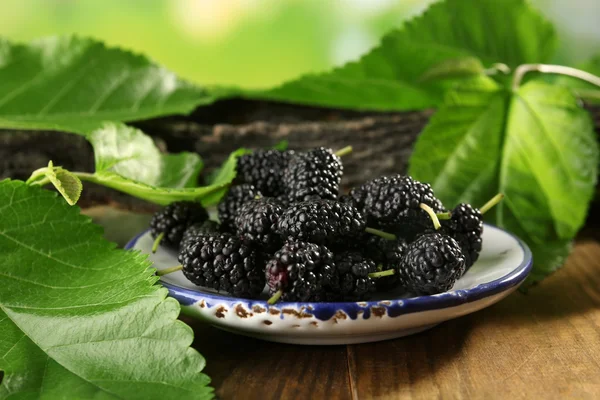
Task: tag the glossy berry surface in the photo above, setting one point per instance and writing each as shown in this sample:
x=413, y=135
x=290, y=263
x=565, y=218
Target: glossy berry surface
x=223, y=262
x=301, y=270
x=431, y=264
x=313, y=175
x=174, y=219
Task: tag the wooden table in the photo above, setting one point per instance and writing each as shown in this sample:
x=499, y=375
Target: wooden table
x=541, y=345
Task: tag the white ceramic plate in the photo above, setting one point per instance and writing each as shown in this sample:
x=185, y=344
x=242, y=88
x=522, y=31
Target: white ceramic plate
x=502, y=266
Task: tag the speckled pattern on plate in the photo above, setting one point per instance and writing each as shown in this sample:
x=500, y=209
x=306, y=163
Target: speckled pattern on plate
x=504, y=263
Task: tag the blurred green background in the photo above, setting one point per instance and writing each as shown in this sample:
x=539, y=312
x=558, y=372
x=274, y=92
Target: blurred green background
x=258, y=43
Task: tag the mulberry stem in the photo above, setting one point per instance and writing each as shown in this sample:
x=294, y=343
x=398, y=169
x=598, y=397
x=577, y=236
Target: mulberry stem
x=275, y=297
x=157, y=241
x=444, y=216
x=169, y=270
x=377, y=232
x=380, y=274
x=491, y=203
x=552, y=69
x=344, y=151
x=432, y=215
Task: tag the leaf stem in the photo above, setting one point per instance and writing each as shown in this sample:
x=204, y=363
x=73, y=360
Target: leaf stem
x=432, y=215
x=380, y=274
x=157, y=195
x=157, y=241
x=275, y=297
x=344, y=151
x=40, y=182
x=377, y=232
x=169, y=270
x=35, y=175
x=522, y=70
x=491, y=203
x=444, y=216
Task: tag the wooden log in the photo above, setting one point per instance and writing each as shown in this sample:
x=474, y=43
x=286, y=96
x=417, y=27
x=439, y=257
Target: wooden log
x=382, y=142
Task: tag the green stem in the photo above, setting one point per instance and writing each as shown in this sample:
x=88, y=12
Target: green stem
x=491, y=203
x=377, y=232
x=40, y=182
x=553, y=69
x=162, y=196
x=169, y=270
x=444, y=216
x=380, y=274
x=432, y=215
x=33, y=179
x=344, y=151
x=157, y=241
x=275, y=297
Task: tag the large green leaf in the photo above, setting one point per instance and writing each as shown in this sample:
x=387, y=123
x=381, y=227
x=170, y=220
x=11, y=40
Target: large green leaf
x=80, y=318
x=536, y=145
x=73, y=81
x=390, y=77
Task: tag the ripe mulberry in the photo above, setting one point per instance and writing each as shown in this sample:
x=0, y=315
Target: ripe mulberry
x=256, y=223
x=394, y=204
x=223, y=262
x=170, y=222
x=313, y=175
x=352, y=281
x=264, y=170
x=300, y=271
x=235, y=198
x=325, y=222
x=432, y=264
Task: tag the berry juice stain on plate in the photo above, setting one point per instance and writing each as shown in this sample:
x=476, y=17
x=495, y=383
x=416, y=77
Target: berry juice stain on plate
x=291, y=263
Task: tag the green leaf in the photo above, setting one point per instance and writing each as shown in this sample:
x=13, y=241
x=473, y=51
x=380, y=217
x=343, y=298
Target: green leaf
x=130, y=153
x=536, y=145
x=81, y=318
x=388, y=77
x=65, y=182
x=77, y=82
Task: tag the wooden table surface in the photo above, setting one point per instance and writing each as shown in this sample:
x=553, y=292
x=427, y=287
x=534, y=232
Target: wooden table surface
x=541, y=345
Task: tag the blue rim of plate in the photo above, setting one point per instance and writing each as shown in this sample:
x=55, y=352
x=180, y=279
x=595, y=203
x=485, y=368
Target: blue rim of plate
x=393, y=307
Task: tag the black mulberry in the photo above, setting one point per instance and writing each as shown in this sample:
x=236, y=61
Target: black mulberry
x=466, y=227
x=352, y=281
x=387, y=254
x=321, y=221
x=300, y=271
x=264, y=170
x=193, y=232
x=235, y=198
x=256, y=223
x=432, y=264
x=174, y=219
x=223, y=262
x=394, y=204
x=313, y=175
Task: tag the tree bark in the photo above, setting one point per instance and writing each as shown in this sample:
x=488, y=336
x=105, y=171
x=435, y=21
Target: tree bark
x=382, y=142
